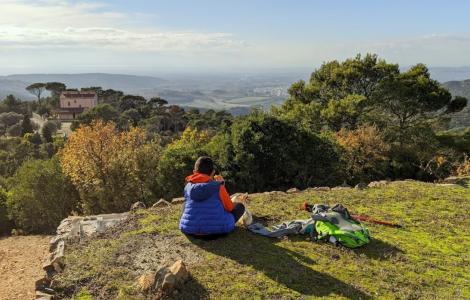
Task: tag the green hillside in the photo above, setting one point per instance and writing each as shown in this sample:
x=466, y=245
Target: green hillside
x=426, y=259
x=460, y=88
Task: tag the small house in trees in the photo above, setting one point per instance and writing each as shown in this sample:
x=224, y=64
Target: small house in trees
x=73, y=103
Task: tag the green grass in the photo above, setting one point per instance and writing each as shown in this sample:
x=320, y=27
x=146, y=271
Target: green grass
x=84, y=294
x=428, y=258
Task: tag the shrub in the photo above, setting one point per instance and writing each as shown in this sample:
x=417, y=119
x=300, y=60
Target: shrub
x=48, y=130
x=364, y=154
x=458, y=140
x=271, y=154
x=178, y=159
x=14, y=130
x=104, y=112
x=40, y=196
x=10, y=118
x=463, y=169
x=26, y=125
x=439, y=167
x=13, y=152
x=106, y=166
x=409, y=159
x=5, y=224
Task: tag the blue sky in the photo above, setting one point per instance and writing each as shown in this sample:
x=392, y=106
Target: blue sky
x=143, y=36
x=254, y=18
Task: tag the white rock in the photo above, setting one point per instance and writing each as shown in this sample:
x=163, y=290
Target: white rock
x=161, y=203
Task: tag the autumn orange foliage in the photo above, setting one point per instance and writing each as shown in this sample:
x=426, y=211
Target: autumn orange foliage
x=106, y=166
x=364, y=152
x=463, y=169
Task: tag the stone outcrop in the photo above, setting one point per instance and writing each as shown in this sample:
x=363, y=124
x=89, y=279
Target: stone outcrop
x=76, y=228
x=173, y=277
x=319, y=189
x=275, y=193
x=54, y=263
x=380, y=183
x=146, y=281
x=165, y=280
x=360, y=186
x=447, y=184
x=459, y=180
x=43, y=296
x=177, y=200
x=138, y=205
x=73, y=228
x=161, y=203
x=292, y=191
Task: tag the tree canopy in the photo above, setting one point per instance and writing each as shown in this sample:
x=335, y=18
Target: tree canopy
x=36, y=89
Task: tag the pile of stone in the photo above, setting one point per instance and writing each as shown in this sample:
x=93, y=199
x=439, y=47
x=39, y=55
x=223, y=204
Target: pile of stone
x=75, y=228
x=164, y=281
x=344, y=186
x=380, y=183
x=71, y=229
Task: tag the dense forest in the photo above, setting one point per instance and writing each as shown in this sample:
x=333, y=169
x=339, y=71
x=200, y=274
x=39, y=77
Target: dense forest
x=354, y=121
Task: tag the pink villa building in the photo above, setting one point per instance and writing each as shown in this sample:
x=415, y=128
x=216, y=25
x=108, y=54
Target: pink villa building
x=73, y=103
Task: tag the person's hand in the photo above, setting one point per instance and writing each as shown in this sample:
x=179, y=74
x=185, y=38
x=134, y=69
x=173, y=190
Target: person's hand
x=218, y=178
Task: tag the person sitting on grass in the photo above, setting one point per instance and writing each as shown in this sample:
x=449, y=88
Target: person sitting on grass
x=208, y=211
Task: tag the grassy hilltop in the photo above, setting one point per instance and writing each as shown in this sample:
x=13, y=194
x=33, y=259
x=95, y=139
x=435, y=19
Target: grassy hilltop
x=426, y=259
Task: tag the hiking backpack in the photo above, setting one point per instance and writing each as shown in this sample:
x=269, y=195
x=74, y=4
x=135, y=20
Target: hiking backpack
x=336, y=225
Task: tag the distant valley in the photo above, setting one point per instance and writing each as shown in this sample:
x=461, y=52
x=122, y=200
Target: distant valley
x=231, y=92
x=236, y=93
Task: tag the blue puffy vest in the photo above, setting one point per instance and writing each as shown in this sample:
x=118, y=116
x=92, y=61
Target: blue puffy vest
x=203, y=210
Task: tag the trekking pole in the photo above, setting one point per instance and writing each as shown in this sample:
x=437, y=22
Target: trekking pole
x=369, y=219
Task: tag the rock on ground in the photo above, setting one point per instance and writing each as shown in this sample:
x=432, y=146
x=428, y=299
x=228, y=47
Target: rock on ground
x=165, y=280
x=380, y=183
x=292, y=191
x=178, y=200
x=318, y=189
x=146, y=282
x=161, y=203
x=360, y=186
x=456, y=180
x=137, y=205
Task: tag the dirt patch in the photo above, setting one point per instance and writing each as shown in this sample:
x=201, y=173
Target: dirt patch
x=151, y=252
x=21, y=260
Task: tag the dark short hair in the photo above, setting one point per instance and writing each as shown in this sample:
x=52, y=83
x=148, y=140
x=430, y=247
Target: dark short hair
x=204, y=165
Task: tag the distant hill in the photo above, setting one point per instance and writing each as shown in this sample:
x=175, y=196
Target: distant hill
x=460, y=88
x=107, y=81
x=14, y=87
x=233, y=92
x=444, y=74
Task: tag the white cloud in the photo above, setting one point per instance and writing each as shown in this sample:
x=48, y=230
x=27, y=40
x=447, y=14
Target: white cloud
x=62, y=24
x=85, y=35
x=432, y=49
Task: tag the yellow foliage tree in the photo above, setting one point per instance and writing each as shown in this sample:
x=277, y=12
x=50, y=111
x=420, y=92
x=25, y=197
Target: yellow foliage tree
x=109, y=168
x=463, y=169
x=191, y=137
x=364, y=152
